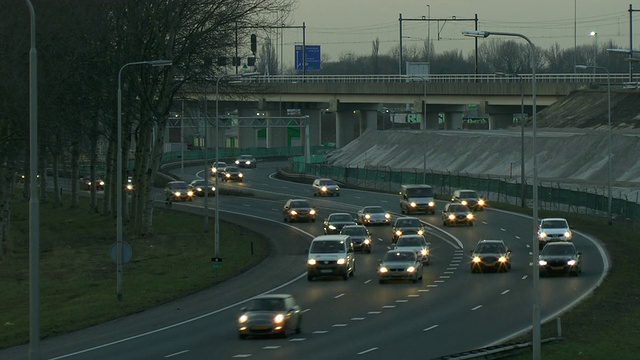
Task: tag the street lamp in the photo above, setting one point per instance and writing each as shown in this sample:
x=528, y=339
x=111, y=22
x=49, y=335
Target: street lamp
x=522, y=117
x=594, y=35
x=217, y=212
x=536, y=250
x=584, y=67
x=119, y=183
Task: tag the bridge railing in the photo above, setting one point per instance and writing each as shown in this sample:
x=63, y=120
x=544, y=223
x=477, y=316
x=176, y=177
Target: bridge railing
x=443, y=78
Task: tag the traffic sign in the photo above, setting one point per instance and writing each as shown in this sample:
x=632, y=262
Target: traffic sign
x=311, y=56
x=127, y=253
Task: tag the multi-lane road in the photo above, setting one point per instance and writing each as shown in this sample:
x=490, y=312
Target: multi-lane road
x=449, y=311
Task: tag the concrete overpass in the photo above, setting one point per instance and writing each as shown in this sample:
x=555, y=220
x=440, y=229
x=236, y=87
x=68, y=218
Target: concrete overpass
x=351, y=105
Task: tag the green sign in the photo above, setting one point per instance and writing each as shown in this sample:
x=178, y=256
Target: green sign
x=413, y=118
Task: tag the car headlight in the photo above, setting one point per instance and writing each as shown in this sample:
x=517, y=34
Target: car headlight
x=129, y=187
x=567, y=234
x=387, y=216
x=198, y=189
x=572, y=262
x=420, y=232
x=367, y=216
x=311, y=262
x=248, y=162
x=464, y=202
x=324, y=188
x=411, y=269
x=398, y=232
x=213, y=188
x=502, y=259
x=227, y=175
x=332, y=227
x=383, y=270
x=177, y=193
x=240, y=175
x=341, y=261
x=542, y=235
x=476, y=259
x=451, y=217
x=469, y=216
x=542, y=262
x=243, y=319
x=424, y=252
x=432, y=203
x=481, y=202
x=293, y=212
x=312, y=212
x=412, y=204
x=278, y=319
x=237, y=162
x=101, y=183
x=366, y=241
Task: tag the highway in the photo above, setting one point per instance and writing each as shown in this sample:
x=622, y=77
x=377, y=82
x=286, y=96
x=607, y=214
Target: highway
x=449, y=311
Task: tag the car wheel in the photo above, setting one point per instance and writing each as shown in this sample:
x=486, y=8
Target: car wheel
x=470, y=223
x=242, y=336
x=401, y=210
x=309, y=277
x=345, y=276
x=353, y=271
x=298, y=326
x=380, y=281
x=444, y=223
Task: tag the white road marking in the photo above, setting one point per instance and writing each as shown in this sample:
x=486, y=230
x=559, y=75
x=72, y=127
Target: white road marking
x=438, y=281
x=374, y=312
x=413, y=295
x=357, y=319
x=320, y=332
x=338, y=296
x=517, y=237
x=339, y=325
x=367, y=351
x=448, y=272
x=504, y=292
x=430, y=328
x=389, y=307
x=445, y=277
x=305, y=310
x=402, y=301
x=176, y=354
x=271, y=347
x=423, y=290
x=501, y=229
x=476, y=308
x=368, y=281
x=432, y=285
x=456, y=261
x=525, y=277
x=242, y=356
x=298, y=339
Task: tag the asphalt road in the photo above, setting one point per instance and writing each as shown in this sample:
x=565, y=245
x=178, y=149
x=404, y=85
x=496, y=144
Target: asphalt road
x=449, y=311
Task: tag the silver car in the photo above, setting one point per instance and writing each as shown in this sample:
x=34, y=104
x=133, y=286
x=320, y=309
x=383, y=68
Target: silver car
x=417, y=244
x=400, y=265
x=273, y=314
x=373, y=215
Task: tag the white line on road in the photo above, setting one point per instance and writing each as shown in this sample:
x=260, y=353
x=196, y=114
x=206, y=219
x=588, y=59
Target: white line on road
x=242, y=356
x=389, y=307
x=339, y=325
x=357, y=319
x=338, y=296
x=476, y=308
x=402, y=301
x=297, y=339
x=430, y=328
x=320, y=332
x=367, y=351
x=504, y=292
x=413, y=295
x=271, y=347
x=176, y=354
x=525, y=277
x=374, y=312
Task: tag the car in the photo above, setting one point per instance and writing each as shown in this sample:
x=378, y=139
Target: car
x=200, y=187
x=246, y=161
x=469, y=198
x=325, y=187
x=336, y=221
x=177, y=191
x=271, y=314
x=490, y=255
x=400, y=265
x=553, y=230
x=457, y=214
x=417, y=198
x=560, y=258
x=85, y=183
x=298, y=210
x=129, y=186
x=331, y=255
x=373, y=215
x=218, y=168
x=406, y=225
x=232, y=173
x=360, y=237
x=417, y=244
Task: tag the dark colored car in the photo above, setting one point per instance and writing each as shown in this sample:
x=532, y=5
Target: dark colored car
x=490, y=255
x=232, y=173
x=272, y=314
x=469, y=198
x=560, y=258
x=370, y=215
x=177, y=191
x=406, y=225
x=298, y=210
x=457, y=214
x=246, y=161
x=218, y=168
x=336, y=221
x=199, y=187
x=85, y=183
x=360, y=237
x=400, y=265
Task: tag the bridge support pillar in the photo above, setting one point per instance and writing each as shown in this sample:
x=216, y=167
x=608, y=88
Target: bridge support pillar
x=432, y=121
x=453, y=120
x=345, y=128
x=314, y=125
x=368, y=120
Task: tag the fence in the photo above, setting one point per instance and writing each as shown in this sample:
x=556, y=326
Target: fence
x=552, y=196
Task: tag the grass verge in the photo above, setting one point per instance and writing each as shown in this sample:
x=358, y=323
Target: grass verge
x=78, y=279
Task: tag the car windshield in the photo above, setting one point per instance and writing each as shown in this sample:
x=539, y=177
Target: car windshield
x=300, y=204
x=408, y=223
x=420, y=192
x=554, y=224
x=457, y=208
x=266, y=305
x=558, y=250
x=245, y=157
x=178, y=185
x=468, y=194
x=373, y=210
x=232, y=169
x=410, y=241
x=327, y=247
x=355, y=231
x=400, y=256
x=490, y=249
x=341, y=217
x=327, y=182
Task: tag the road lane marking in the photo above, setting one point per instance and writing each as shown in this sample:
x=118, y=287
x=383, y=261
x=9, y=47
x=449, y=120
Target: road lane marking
x=388, y=306
x=448, y=272
x=438, y=281
x=176, y=354
x=374, y=312
x=476, y=308
x=271, y=347
x=445, y=277
x=503, y=230
x=423, y=290
x=338, y=296
x=339, y=325
x=430, y=285
x=413, y=295
x=430, y=328
x=367, y=351
x=320, y=332
x=297, y=339
x=357, y=319
x=368, y=281
x=525, y=277
x=504, y=292
x=402, y=301
x=242, y=356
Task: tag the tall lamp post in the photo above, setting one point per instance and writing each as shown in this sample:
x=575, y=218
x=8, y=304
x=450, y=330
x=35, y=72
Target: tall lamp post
x=584, y=67
x=536, y=250
x=217, y=212
x=594, y=35
x=521, y=118
x=119, y=183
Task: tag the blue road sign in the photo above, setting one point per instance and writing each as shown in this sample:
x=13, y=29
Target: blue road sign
x=312, y=57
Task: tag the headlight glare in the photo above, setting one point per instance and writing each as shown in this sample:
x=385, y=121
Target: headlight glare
x=383, y=270
x=278, y=318
x=411, y=269
x=542, y=262
x=341, y=261
x=243, y=319
x=572, y=262
x=311, y=262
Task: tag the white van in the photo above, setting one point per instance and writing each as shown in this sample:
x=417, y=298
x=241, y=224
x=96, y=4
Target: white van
x=331, y=255
x=417, y=198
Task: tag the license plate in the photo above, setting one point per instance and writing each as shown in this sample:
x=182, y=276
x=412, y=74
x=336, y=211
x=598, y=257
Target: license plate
x=326, y=271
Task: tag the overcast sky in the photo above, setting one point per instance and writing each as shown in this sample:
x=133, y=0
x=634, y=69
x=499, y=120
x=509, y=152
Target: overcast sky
x=341, y=26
